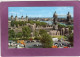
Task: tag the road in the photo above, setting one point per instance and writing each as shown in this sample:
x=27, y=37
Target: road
x=34, y=44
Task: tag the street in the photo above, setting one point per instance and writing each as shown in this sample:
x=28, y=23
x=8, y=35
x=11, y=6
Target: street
x=38, y=44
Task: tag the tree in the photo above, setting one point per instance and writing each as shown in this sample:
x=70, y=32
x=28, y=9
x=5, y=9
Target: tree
x=38, y=23
x=42, y=31
x=20, y=23
x=61, y=25
x=70, y=28
x=11, y=34
x=46, y=41
x=70, y=38
x=43, y=24
x=12, y=23
x=23, y=23
x=26, y=31
x=19, y=35
x=36, y=35
x=16, y=23
x=31, y=22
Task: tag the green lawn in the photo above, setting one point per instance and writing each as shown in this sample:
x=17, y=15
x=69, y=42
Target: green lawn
x=14, y=39
x=59, y=37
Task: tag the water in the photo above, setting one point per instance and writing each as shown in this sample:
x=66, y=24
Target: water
x=48, y=22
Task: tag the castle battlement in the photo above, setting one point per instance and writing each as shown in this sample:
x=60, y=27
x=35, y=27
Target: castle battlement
x=51, y=29
x=19, y=19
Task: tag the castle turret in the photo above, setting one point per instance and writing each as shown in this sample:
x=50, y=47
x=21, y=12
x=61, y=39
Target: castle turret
x=26, y=18
x=55, y=25
x=11, y=17
x=22, y=17
x=16, y=18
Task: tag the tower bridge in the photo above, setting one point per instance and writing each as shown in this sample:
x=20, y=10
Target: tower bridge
x=52, y=30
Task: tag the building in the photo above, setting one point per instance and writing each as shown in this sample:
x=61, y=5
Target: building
x=19, y=19
x=53, y=29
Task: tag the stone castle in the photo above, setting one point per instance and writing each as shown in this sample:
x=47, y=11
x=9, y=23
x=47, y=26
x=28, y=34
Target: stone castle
x=53, y=29
x=19, y=19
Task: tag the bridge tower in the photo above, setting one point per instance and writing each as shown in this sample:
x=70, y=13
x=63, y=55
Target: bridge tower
x=55, y=21
x=68, y=18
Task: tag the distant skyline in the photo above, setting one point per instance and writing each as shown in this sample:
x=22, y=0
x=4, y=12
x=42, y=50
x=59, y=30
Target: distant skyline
x=39, y=11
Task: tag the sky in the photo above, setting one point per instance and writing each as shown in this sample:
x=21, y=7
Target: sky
x=39, y=11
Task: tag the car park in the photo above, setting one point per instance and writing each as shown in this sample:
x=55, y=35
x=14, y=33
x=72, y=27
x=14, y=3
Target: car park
x=37, y=41
x=37, y=45
x=32, y=41
x=28, y=41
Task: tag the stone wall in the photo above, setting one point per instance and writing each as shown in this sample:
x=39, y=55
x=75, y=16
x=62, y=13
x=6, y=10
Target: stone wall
x=49, y=29
x=54, y=33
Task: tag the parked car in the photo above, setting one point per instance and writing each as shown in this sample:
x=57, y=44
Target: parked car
x=21, y=45
x=58, y=44
x=59, y=40
x=37, y=45
x=55, y=39
x=28, y=41
x=32, y=41
x=9, y=44
x=37, y=41
x=65, y=44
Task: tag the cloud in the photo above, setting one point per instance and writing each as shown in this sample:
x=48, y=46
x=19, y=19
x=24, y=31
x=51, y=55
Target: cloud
x=13, y=13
